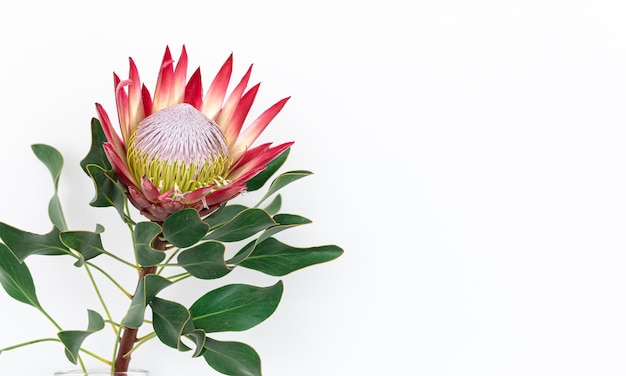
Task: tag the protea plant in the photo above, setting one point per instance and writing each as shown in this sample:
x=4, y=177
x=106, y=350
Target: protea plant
x=181, y=148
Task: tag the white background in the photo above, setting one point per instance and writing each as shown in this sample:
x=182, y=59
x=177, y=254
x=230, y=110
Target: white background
x=468, y=156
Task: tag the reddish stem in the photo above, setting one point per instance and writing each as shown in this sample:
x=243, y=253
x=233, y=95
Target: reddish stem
x=129, y=335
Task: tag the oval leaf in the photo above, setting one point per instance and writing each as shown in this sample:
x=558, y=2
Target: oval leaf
x=88, y=244
x=108, y=190
x=24, y=244
x=54, y=162
x=73, y=339
x=232, y=358
x=16, y=278
x=283, y=180
x=262, y=177
x=170, y=320
x=243, y=225
x=145, y=233
x=149, y=287
x=223, y=215
x=275, y=258
x=96, y=155
x=235, y=307
x=205, y=261
x=184, y=228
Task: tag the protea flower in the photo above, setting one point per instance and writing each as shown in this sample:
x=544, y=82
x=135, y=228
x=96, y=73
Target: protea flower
x=181, y=149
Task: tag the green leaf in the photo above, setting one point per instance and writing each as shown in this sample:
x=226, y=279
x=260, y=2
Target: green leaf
x=96, y=155
x=54, y=162
x=275, y=205
x=243, y=225
x=284, y=221
x=149, y=287
x=108, y=190
x=88, y=244
x=16, y=278
x=232, y=358
x=235, y=307
x=262, y=177
x=223, y=215
x=275, y=258
x=145, y=233
x=24, y=244
x=171, y=320
x=205, y=260
x=282, y=180
x=73, y=339
x=184, y=228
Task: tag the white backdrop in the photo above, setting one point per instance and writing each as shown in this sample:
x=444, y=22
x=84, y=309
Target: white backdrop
x=468, y=157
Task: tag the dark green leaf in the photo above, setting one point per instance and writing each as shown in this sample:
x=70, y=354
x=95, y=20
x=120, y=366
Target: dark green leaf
x=232, y=358
x=73, y=339
x=205, y=260
x=275, y=258
x=242, y=226
x=171, y=320
x=184, y=228
x=275, y=205
x=198, y=336
x=88, y=244
x=283, y=180
x=108, y=190
x=145, y=233
x=24, y=244
x=284, y=221
x=235, y=307
x=96, y=155
x=148, y=288
x=223, y=215
x=16, y=278
x=262, y=177
x=54, y=162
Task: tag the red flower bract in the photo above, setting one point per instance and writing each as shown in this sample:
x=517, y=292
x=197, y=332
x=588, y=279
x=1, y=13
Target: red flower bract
x=182, y=148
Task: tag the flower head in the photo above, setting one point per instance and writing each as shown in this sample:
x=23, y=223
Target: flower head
x=182, y=148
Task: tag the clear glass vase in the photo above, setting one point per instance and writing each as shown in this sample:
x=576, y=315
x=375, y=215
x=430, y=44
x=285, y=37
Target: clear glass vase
x=102, y=372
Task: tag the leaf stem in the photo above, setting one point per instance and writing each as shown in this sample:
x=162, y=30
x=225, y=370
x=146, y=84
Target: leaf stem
x=104, y=305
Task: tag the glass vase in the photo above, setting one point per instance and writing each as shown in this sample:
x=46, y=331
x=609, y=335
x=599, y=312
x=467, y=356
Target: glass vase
x=102, y=372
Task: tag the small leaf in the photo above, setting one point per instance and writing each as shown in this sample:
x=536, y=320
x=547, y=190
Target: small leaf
x=54, y=162
x=96, y=155
x=73, y=339
x=184, y=228
x=275, y=258
x=282, y=180
x=235, y=307
x=262, y=177
x=108, y=190
x=205, y=260
x=16, y=278
x=223, y=215
x=149, y=287
x=243, y=225
x=285, y=221
x=232, y=358
x=171, y=320
x=88, y=244
x=275, y=205
x=145, y=233
x=24, y=244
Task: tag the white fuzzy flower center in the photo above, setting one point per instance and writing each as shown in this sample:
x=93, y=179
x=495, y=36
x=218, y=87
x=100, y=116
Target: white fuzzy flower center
x=180, y=149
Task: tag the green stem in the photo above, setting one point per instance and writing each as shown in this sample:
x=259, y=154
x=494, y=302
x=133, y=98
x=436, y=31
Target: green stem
x=49, y=318
x=167, y=262
x=120, y=287
x=30, y=343
x=104, y=305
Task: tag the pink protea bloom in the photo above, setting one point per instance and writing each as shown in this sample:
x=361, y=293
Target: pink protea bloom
x=182, y=149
